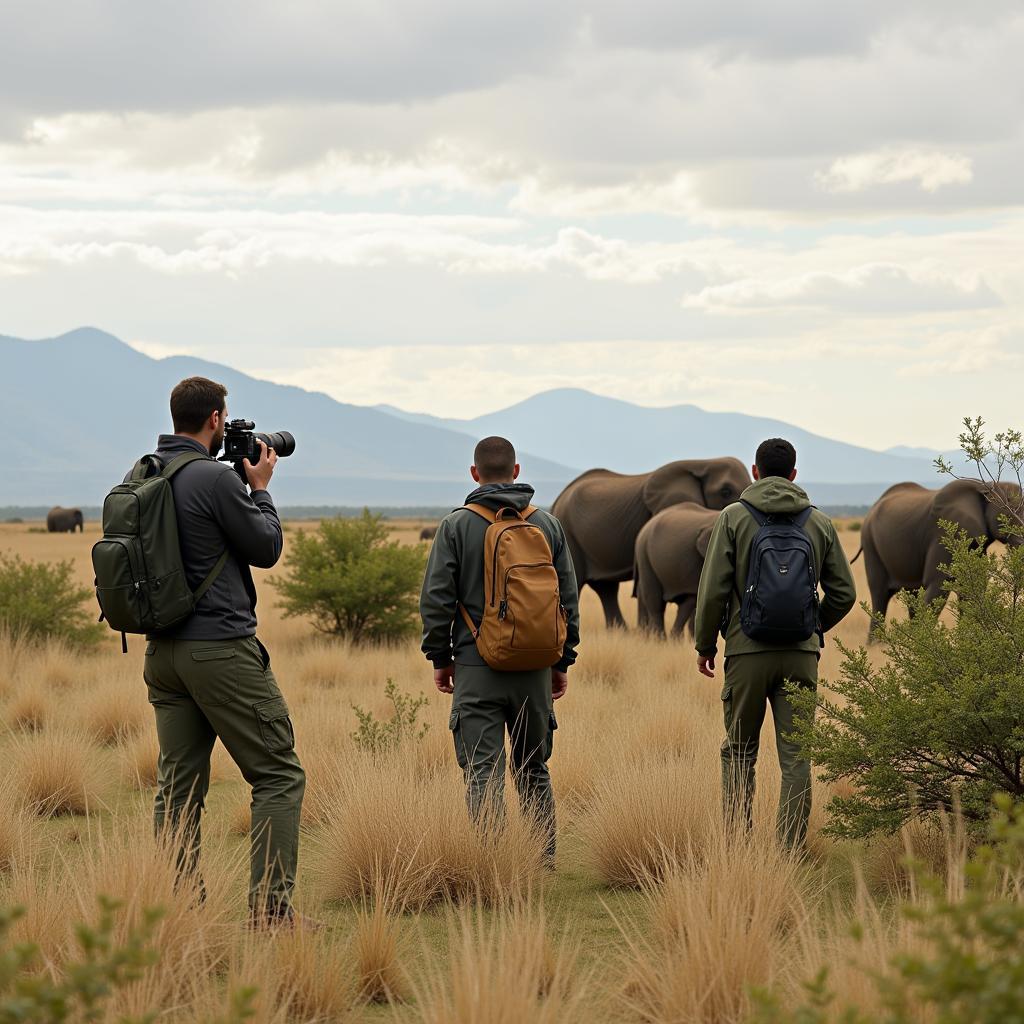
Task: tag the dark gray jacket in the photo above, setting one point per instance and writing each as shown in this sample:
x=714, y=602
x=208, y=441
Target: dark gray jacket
x=455, y=573
x=215, y=511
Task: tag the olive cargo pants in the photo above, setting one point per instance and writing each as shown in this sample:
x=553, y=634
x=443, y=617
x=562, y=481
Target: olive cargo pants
x=205, y=690
x=752, y=682
x=486, y=703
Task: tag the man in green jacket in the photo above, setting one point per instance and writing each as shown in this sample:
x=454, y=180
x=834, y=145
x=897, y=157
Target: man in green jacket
x=756, y=673
x=487, y=703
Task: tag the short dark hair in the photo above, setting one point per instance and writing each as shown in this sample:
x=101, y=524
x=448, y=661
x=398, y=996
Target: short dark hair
x=775, y=457
x=192, y=402
x=495, y=458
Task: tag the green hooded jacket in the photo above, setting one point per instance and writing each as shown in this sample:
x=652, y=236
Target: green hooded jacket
x=725, y=569
x=455, y=574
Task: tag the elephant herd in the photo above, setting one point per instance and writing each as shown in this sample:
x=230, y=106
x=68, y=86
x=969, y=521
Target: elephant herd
x=655, y=528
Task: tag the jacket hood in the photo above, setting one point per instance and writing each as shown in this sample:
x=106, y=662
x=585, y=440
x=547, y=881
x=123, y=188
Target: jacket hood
x=776, y=496
x=496, y=496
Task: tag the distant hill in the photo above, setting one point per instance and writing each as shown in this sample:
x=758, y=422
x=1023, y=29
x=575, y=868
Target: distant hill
x=77, y=410
x=578, y=428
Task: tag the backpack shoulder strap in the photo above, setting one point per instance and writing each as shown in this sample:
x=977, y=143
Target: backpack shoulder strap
x=482, y=511
x=180, y=462
x=146, y=466
x=212, y=575
x=801, y=519
x=528, y=511
x=759, y=517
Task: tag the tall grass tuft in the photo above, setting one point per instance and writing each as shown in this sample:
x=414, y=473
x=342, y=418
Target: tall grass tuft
x=376, y=950
x=716, y=923
x=390, y=827
x=502, y=969
x=646, y=813
x=59, y=772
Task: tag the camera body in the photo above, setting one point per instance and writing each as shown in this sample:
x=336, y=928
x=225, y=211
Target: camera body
x=242, y=441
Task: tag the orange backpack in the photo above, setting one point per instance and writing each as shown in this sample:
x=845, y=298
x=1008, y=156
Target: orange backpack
x=523, y=627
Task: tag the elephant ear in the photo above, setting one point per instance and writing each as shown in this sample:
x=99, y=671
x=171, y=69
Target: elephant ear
x=703, y=540
x=962, y=502
x=671, y=485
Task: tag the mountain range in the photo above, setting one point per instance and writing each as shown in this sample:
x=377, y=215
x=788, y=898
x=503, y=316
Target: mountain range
x=78, y=409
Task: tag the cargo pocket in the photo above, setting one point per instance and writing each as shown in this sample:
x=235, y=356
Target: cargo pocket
x=453, y=726
x=213, y=677
x=552, y=726
x=275, y=725
x=727, y=706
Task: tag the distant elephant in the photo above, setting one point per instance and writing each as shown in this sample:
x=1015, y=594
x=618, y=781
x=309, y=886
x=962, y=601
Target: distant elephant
x=902, y=541
x=602, y=512
x=428, y=532
x=65, y=520
x=670, y=551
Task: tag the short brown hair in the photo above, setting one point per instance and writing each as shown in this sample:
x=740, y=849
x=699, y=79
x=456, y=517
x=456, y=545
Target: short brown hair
x=495, y=458
x=193, y=400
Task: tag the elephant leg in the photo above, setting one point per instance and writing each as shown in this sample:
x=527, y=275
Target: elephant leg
x=878, y=586
x=685, y=609
x=934, y=591
x=608, y=592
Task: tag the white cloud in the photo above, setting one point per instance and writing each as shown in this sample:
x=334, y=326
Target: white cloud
x=930, y=170
x=872, y=289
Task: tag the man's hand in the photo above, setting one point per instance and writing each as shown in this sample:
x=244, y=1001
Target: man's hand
x=260, y=474
x=706, y=666
x=559, y=683
x=444, y=678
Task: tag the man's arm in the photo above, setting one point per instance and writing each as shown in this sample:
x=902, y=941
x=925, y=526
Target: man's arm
x=249, y=521
x=439, y=597
x=570, y=600
x=837, y=583
x=717, y=582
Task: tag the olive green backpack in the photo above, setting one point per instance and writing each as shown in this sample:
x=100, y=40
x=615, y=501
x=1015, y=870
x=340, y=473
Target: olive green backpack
x=140, y=579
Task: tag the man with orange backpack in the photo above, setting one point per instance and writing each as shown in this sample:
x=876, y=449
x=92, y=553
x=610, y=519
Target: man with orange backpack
x=500, y=617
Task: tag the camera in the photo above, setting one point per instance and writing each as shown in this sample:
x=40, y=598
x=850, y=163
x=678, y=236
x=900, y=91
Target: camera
x=242, y=441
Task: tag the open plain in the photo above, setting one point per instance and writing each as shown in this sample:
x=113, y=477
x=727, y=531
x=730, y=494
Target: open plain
x=651, y=916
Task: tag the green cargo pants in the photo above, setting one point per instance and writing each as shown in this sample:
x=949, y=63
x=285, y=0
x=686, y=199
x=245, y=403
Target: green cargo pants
x=753, y=681
x=205, y=690
x=486, y=704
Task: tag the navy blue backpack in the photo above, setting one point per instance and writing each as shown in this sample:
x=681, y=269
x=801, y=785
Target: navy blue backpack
x=780, y=601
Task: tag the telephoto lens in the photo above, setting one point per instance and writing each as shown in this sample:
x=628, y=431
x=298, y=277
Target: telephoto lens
x=282, y=442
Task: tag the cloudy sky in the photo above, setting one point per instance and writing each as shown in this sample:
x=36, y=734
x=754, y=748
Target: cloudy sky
x=785, y=207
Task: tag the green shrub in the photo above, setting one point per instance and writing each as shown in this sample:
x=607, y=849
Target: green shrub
x=81, y=989
x=352, y=581
x=854, y=526
x=379, y=736
x=40, y=600
x=83, y=986
x=940, y=724
x=971, y=967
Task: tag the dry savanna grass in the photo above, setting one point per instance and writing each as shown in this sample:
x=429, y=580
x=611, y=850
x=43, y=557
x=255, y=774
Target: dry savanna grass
x=654, y=914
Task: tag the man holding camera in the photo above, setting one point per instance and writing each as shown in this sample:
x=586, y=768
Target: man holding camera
x=209, y=677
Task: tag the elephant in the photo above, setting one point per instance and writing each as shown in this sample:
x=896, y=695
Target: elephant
x=602, y=512
x=902, y=541
x=670, y=552
x=65, y=520
x=428, y=533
